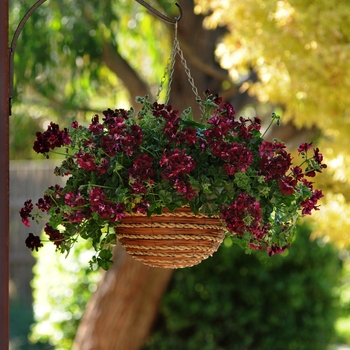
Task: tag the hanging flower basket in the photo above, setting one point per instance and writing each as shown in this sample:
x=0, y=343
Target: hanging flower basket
x=170, y=187
x=171, y=239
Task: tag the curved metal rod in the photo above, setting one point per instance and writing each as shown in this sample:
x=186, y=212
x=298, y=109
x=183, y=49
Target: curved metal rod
x=21, y=24
x=160, y=15
x=12, y=48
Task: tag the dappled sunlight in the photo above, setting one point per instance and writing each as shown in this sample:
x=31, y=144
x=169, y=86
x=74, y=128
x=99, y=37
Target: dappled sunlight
x=333, y=220
x=55, y=283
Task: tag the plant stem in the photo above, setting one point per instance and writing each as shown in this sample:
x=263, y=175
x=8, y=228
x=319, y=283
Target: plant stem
x=274, y=117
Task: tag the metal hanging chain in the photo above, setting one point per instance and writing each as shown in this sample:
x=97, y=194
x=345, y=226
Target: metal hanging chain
x=169, y=72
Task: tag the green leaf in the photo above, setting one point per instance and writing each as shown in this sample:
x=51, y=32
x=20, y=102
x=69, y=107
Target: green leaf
x=173, y=206
x=193, y=123
x=105, y=254
x=105, y=264
x=165, y=196
x=118, y=167
x=209, y=208
x=218, y=190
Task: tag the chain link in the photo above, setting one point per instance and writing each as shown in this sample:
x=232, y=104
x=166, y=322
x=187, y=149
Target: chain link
x=169, y=72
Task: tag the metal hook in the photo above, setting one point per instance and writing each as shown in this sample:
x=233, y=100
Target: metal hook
x=12, y=47
x=160, y=15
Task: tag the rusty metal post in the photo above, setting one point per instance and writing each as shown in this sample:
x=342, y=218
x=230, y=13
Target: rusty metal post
x=4, y=175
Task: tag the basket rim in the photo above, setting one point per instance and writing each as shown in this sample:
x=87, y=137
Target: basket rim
x=178, y=212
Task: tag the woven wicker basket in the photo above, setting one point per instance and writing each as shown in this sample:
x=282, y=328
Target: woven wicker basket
x=172, y=239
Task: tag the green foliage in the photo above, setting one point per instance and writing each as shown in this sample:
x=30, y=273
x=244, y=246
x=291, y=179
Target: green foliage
x=22, y=128
x=237, y=301
x=62, y=287
x=343, y=289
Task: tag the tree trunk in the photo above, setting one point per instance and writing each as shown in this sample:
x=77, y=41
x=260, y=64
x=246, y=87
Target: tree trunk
x=122, y=310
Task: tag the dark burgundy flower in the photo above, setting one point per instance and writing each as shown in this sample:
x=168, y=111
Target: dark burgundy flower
x=311, y=173
x=117, y=212
x=185, y=190
x=111, y=144
x=25, y=212
x=141, y=207
x=244, y=215
x=136, y=186
x=275, y=161
x=54, y=235
x=142, y=167
x=170, y=130
x=77, y=216
x=111, y=116
x=270, y=149
x=238, y=159
x=297, y=173
x=186, y=135
x=33, y=242
x=74, y=199
x=86, y=161
x=95, y=127
x=277, y=250
x=75, y=125
x=308, y=184
x=310, y=203
x=318, y=157
x=255, y=246
x=287, y=185
x=103, y=166
x=221, y=126
x=226, y=109
x=41, y=144
x=44, y=204
x=56, y=191
x=51, y=138
x=190, y=135
x=304, y=147
x=105, y=208
x=176, y=163
x=132, y=140
x=97, y=196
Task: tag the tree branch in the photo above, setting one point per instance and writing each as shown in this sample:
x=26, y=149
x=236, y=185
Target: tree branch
x=117, y=64
x=201, y=65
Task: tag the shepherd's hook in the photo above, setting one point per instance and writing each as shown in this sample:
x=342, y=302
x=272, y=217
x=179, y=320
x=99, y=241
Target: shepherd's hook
x=18, y=30
x=160, y=15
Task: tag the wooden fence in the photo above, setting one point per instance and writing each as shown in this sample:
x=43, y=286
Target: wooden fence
x=28, y=180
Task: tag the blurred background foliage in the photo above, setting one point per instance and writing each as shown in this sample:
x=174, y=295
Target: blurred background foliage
x=239, y=301
x=67, y=48
x=60, y=306
x=76, y=58
x=300, y=52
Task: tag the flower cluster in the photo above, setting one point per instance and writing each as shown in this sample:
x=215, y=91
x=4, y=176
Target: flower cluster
x=163, y=159
x=53, y=137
